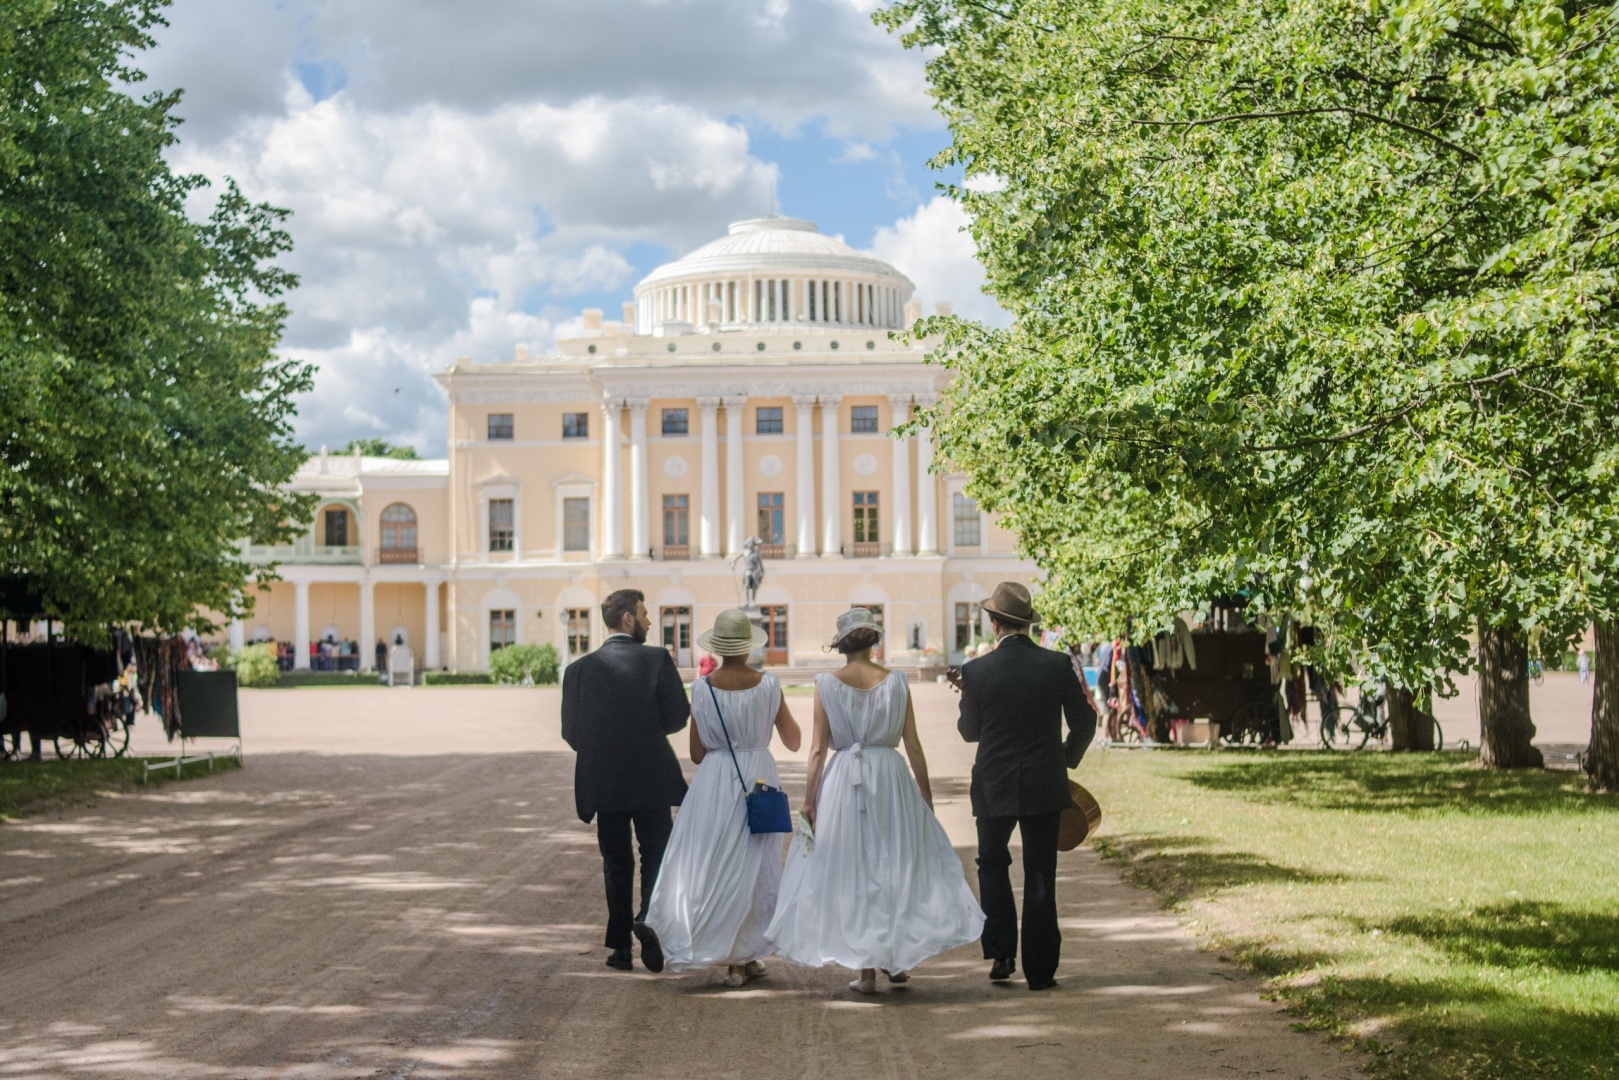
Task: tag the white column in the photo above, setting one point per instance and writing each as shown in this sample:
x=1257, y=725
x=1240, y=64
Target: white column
x=430, y=658
x=368, y=626
x=709, y=531
x=639, y=541
x=804, y=495
x=927, y=493
x=238, y=637
x=612, y=477
x=735, y=512
x=901, y=405
x=300, y=627
x=831, y=483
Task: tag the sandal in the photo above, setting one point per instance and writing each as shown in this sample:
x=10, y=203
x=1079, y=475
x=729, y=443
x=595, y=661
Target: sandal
x=861, y=986
x=756, y=970
x=733, y=981
x=897, y=976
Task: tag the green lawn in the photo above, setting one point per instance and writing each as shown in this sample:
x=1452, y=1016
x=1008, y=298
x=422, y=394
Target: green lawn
x=1457, y=922
x=26, y=786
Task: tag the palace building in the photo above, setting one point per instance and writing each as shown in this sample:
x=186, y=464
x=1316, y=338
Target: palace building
x=748, y=391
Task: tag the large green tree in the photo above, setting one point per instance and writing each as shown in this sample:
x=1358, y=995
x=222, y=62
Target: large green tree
x=143, y=408
x=1287, y=314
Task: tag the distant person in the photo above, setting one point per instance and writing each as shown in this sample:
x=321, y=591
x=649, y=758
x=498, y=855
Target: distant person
x=717, y=889
x=619, y=705
x=1013, y=703
x=1583, y=663
x=382, y=655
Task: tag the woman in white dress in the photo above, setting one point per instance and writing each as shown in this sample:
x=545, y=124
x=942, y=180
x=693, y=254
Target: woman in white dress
x=879, y=887
x=717, y=888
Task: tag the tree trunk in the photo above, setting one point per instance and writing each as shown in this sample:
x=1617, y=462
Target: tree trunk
x=1602, y=758
x=1410, y=728
x=1503, y=700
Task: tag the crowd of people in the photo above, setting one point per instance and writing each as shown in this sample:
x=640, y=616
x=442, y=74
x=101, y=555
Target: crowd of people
x=870, y=880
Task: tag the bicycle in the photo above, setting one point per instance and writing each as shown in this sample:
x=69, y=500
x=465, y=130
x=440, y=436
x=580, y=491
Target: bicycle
x=1537, y=672
x=1351, y=727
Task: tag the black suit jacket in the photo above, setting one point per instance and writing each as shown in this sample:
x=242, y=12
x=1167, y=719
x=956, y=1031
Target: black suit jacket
x=619, y=705
x=1012, y=704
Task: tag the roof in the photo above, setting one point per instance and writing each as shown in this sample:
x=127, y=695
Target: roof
x=771, y=244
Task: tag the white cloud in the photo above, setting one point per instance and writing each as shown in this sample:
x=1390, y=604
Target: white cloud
x=935, y=251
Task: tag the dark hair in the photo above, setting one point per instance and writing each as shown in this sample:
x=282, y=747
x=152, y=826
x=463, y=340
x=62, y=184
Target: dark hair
x=858, y=641
x=1010, y=625
x=618, y=604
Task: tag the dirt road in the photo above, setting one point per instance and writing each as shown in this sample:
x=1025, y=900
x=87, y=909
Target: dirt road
x=397, y=886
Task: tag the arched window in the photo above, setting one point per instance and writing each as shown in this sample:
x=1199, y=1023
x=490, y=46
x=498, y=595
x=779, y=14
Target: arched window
x=398, y=534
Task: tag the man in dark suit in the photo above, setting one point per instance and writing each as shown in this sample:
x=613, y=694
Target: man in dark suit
x=1013, y=701
x=619, y=705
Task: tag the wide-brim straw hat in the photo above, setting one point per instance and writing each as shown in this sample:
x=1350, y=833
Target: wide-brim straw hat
x=855, y=619
x=733, y=635
x=1012, y=603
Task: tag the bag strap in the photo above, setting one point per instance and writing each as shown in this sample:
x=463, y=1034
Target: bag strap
x=721, y=714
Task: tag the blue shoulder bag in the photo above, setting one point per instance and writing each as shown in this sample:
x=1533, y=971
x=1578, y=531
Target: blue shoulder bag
x=767, y=806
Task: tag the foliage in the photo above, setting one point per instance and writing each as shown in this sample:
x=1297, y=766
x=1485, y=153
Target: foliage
x=379, y=448
x=537, y=664
x=456, y=678
x=144, y=428
x=1312, y=299
x=1460, y=922
x=256, y=665
x=29, y=786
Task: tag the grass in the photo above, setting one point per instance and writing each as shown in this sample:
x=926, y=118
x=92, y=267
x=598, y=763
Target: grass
x=1457, y=923
x=29, y=786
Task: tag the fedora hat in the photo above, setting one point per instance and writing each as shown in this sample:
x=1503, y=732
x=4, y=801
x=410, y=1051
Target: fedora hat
x=1011, y=602
x=854, y=619
x=1079, y=820
x=733, y=635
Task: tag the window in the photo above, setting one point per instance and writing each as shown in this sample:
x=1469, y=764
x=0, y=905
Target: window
x=500, y=425
x=863, y=419
x=398, y=534
x=967, y=617
x=575, y=524
x=575, y=425
x=337, y=527
x=502, y=524
x=676, y=520
x=578, y=631
x=865, y=517
x=771, y=515
x=767, y=420
x=964, y=515
x=674, y=421
x=502, y=628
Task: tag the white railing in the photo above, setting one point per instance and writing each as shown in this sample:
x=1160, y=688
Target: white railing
x=149, y=766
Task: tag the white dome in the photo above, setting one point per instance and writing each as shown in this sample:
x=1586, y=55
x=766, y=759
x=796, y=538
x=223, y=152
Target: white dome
x=773, y=270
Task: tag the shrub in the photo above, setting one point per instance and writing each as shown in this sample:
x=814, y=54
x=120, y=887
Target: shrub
x=456, y=678
x=537, y=664
x=256, y=665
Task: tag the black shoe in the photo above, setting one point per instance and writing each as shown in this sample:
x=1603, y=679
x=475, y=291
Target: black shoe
x=1002, y=969
x=1047, y=984
x=651, y=950
x=621, y=960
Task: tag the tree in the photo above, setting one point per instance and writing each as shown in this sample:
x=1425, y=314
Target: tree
x=144, y=425
x=379, y=448
x=1273, y=329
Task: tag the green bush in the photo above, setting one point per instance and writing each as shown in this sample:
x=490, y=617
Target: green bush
x=537, y=664
x=456, y=678
x=256, y=665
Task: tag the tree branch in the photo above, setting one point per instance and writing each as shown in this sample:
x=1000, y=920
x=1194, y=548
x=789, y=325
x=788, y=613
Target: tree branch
x=1280, y=114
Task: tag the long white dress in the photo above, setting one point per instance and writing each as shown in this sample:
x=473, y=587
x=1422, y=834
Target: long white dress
x=881, y=887
x=717, y=888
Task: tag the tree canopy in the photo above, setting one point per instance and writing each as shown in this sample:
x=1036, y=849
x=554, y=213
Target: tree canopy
x=1312, y=299
x=144, y=425
x=379, y=448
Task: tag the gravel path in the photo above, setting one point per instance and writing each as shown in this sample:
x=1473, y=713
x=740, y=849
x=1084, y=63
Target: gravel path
x=397, y=886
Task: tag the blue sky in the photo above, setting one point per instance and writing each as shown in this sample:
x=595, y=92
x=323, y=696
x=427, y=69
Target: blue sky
x=466, y=178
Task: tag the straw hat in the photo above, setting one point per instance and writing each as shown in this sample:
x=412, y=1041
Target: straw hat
x=854, y=619
x=1011, y=602
x=733, y=635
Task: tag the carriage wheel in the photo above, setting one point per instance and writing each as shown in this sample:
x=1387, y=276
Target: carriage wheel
x=68, y=748
x=1247, y=724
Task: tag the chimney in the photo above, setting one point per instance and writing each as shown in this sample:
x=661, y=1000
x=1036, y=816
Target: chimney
x=522, y=351
x=593, y=319
x=913, y=312
x=942, y=309
x=629, y=315
x=463, y=360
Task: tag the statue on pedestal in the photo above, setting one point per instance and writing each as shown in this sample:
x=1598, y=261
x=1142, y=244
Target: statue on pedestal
x=753, y=572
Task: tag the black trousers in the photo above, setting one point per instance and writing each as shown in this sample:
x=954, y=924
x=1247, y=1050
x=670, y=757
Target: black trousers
x=1042, y=941
x=618, y=864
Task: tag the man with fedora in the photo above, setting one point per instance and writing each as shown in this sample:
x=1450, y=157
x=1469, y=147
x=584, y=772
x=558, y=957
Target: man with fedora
x=619, y=706
x=1013, y=701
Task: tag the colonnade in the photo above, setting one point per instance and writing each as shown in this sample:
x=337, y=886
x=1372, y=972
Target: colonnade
x=368, y=623
x=717, y=538
x=750, y=299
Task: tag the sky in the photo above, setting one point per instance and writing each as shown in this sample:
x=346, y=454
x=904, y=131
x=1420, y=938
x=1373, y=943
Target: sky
x=466, y=177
